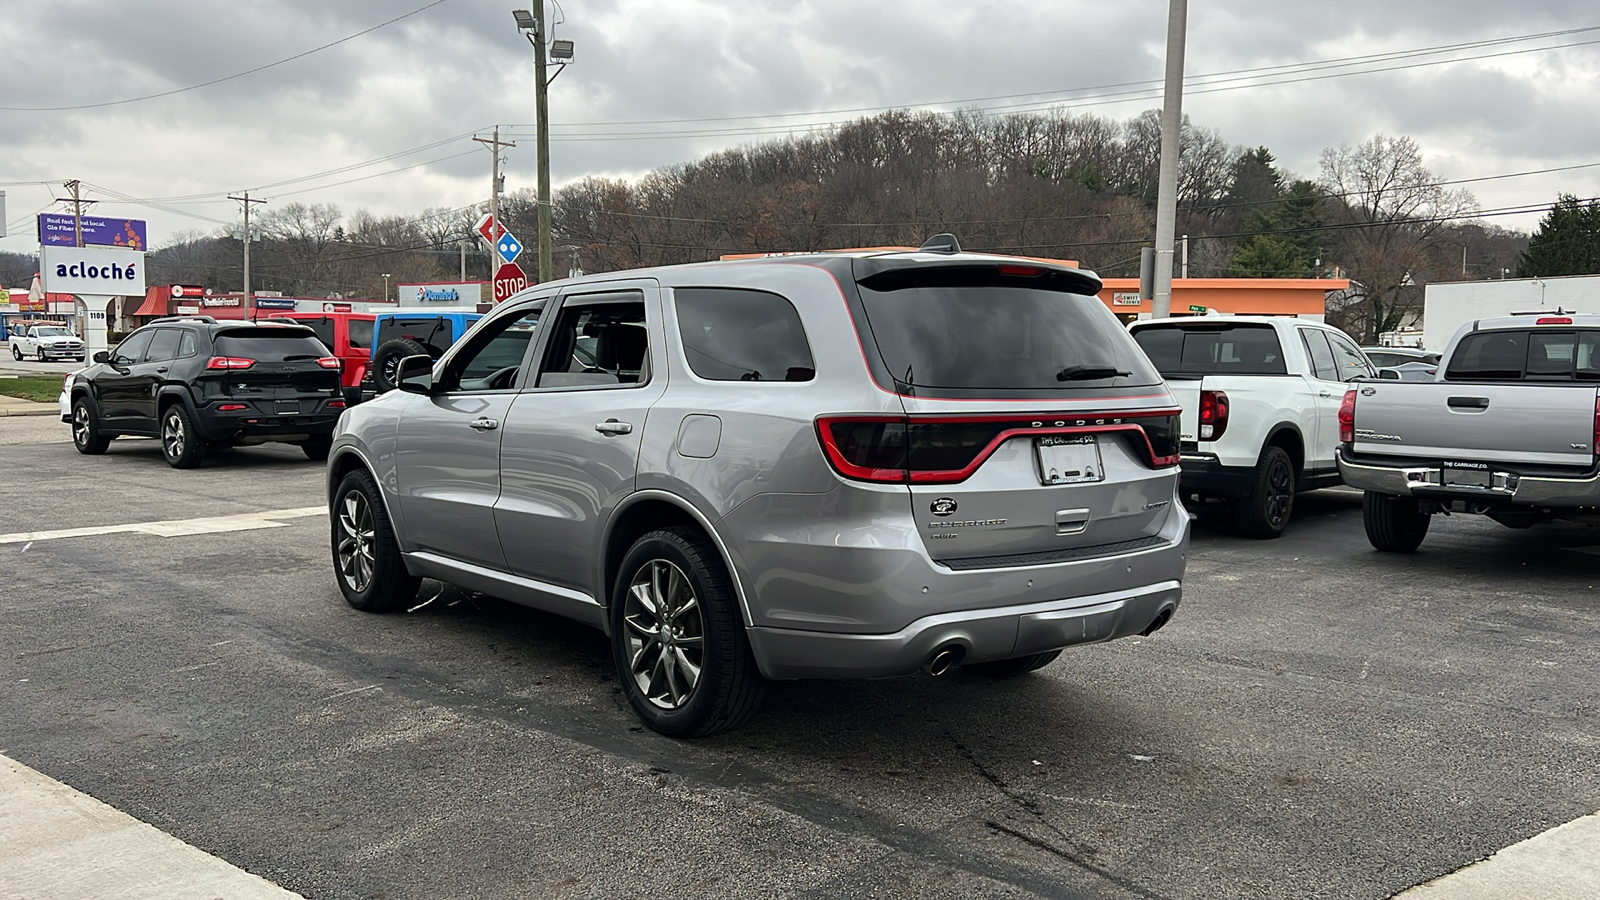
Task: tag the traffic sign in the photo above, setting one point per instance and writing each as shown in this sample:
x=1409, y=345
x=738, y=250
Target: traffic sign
x=508, y=281
x=508, y=247
x=487, y=227
x=1196, y=309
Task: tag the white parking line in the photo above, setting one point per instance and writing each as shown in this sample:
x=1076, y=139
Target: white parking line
x=1560, y=864
x=174, y=527
x=56, y=842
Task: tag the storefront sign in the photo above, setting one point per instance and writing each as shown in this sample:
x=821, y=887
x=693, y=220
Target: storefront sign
x=187, y=290
x=274, y=303
x=454, y=293
x=97, y=271
x=221, y=301
x=61, y=230
x=1126, y=298
x=188, y=310
x=335, y=307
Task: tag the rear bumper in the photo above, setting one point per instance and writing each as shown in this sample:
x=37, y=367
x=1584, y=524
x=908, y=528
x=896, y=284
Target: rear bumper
x=254, y=423
x=1201, y=473
x=988, y=634
x=1424, y=482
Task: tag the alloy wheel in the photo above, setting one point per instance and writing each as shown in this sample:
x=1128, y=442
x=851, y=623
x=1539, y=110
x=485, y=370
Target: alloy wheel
x=356, y=536
x=172, y=436
x=665, y=634
x=80, y=425
x=1280, y=494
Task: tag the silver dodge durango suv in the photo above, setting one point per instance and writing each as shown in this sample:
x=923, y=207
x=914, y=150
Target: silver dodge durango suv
x=832, y=465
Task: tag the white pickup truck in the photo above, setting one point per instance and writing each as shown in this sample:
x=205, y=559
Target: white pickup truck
x=1260, y=398
x=46, y=342
x=1509, y=430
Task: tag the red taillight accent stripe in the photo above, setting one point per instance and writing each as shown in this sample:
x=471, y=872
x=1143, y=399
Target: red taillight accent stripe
x=1347, y=417
x=231, y=407
x=229, y=362
x=331, y=362
x=336, y=404
x=1596, y=445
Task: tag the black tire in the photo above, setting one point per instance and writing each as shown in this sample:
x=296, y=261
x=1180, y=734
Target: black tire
x=317, y=446
x=1265, y=513
x=1394, y=524
x=366, y=556
x=181, y=443
x=706, y=629
x=42, y=357
x=352, y=396
x=86, y=434
x=16, y=354
x=386, y=362
x=1010, y=668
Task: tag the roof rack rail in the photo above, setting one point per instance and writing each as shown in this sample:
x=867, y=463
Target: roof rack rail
x=206, y=319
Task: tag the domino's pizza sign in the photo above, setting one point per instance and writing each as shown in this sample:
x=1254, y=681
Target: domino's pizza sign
x=91, y=271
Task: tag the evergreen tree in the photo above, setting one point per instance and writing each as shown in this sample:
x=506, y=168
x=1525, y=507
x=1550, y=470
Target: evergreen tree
x=1567, y=242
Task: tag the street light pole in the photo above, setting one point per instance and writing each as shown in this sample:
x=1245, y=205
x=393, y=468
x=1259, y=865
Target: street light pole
x=1167, y=180
x=542, y=110
x=386, y=287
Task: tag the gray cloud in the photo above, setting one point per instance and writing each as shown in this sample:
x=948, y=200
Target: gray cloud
x=461, y=66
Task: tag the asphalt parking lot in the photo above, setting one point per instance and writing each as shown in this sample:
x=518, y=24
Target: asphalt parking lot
x=1318, y=720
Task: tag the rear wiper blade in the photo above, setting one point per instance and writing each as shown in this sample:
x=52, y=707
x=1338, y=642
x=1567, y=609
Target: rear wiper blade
x=1085, y=373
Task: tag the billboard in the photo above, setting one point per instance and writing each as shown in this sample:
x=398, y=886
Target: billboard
x=92, y=271
x=59, y=230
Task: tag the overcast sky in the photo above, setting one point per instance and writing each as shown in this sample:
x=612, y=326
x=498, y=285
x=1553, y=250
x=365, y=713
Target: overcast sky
x=658, y=82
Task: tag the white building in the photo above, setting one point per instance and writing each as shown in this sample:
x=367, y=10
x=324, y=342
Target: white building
x=1448, y=306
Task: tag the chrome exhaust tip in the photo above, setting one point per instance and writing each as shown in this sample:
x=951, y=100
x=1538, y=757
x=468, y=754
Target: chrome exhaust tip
x=943, y=660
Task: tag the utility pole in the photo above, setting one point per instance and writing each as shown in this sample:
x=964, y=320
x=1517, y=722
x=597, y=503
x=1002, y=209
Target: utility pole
x=496, y=185
x=463, y=246
x=1167, y=186
x=77, y=202
x=246, y=201
x=542, y=107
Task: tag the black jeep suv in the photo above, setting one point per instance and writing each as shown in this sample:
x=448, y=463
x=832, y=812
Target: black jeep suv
x=196, y=383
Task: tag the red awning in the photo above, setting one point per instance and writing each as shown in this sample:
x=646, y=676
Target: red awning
x=153, y=305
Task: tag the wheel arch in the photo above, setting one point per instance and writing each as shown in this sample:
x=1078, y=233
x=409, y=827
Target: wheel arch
x=643, y=512
x=344, y=460
x=1287, y=436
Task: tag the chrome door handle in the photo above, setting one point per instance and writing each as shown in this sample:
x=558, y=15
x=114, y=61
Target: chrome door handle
x=484, y=423
x=612, y=426
x=1324, y=395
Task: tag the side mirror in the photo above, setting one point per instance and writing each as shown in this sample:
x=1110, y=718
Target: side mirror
x=1389, y=374
x=415, y=374
x=101, y=356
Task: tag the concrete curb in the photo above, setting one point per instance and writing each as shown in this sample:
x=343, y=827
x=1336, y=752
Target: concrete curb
x=32, y=409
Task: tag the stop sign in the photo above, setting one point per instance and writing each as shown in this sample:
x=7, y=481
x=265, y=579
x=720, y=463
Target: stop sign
x=508, y=280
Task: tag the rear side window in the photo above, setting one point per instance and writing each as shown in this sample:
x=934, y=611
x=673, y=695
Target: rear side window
x=360, y=333
x=1523, y=355
x=740, y=335
x=1321, y=354
x=433, y=331
x=269, y=345
x=1239, y=349
x=322, y=325
x=999, y=337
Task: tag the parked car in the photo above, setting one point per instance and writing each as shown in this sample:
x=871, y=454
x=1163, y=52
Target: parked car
x=196, y=383
x=1411, y=371
x=1386, y=357
x=1260, y=398
x=47, y=342
x=1511, y=431
x=840, y=465
x=349, y=335
x=412, y=332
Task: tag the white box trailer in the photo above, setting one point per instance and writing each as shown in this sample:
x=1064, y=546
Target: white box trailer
x=1448, y=306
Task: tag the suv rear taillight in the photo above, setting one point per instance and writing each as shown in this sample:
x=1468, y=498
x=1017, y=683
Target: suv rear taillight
x=1213, y=415
x=1596, y=445
x=1347, y=417
x=229, y=362
x=948, y=449
x=331, y=362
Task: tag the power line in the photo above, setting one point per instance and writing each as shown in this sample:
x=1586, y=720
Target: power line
x=194, y=87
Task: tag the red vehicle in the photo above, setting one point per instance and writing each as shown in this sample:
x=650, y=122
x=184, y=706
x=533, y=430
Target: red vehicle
x=349, y=336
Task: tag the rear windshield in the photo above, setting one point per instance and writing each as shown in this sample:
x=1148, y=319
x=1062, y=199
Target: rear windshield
x=431, y=331
x=322, y=325
x=1001, y=338
x=1538, y=355
x=1233, y=349
x=270, y=345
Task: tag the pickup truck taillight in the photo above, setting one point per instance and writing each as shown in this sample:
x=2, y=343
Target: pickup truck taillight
x=1213, y=415
x=1596, y=445
x=1347, y=418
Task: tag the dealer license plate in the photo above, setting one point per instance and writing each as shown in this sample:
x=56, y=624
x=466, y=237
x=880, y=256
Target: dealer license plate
x=1068, y=459
x=1467, y=476
x=287, y=408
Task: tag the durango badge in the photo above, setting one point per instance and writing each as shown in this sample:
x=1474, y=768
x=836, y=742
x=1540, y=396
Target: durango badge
x=943, y=506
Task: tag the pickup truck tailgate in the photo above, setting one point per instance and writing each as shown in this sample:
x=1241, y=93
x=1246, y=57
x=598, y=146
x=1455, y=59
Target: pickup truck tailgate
x=1535, y=424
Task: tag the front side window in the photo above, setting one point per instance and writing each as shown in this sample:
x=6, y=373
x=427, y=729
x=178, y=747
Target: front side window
x=132, y=348
x=494, y=357
x=1352, y=362
x=596, y=344
x=742, y=335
